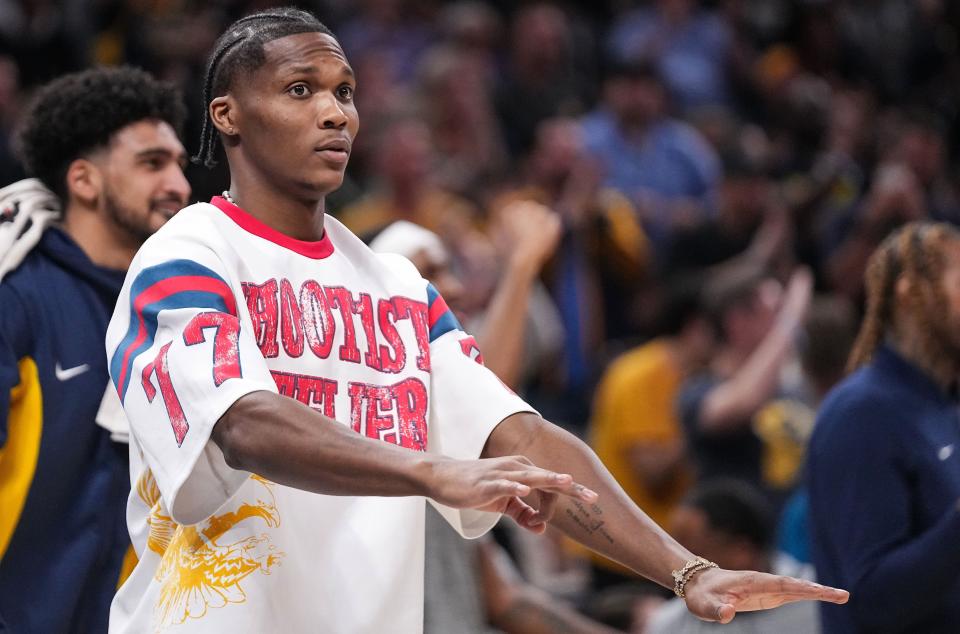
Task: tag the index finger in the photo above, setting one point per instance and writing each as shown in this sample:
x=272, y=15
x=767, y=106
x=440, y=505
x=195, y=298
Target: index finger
x=561, y=483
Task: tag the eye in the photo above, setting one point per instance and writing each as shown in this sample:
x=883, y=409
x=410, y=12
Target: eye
x=299, y=90
x=345, y=92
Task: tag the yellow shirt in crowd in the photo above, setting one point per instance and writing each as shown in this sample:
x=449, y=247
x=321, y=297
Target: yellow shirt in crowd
x=636, y=404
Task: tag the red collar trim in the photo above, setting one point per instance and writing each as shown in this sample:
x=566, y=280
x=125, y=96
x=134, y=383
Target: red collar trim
x=316, y=250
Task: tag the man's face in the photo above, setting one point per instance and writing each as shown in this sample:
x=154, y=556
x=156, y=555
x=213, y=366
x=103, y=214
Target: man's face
x=296, y=115
x=143, y=184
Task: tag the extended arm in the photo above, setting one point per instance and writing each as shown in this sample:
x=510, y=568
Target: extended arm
x=617, y=529
x=290, y=443
x=613, y=526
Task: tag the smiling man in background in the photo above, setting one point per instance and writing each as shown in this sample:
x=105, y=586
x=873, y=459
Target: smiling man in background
x=103, y=147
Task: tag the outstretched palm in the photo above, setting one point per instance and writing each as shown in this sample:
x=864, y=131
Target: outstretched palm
x=717, y=595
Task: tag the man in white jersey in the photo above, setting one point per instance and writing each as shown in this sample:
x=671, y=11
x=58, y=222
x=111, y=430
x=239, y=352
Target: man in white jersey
x=252, y=512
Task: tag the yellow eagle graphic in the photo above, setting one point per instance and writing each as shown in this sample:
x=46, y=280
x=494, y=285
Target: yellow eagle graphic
x=200, y=568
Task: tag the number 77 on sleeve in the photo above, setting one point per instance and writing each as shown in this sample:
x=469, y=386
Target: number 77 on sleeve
x=226, y=364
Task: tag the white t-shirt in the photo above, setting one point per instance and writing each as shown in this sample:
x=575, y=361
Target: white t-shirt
x=217, y=305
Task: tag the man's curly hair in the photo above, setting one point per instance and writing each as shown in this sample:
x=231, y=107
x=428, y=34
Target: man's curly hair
x=79, y=113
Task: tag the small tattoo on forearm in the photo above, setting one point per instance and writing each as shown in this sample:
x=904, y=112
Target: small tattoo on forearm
x=588, y=521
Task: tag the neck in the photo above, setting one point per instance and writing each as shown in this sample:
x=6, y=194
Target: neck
x=300, y=218
x=106, y=244
x=919, y=348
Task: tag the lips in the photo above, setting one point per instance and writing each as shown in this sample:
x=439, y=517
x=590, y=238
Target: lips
x=335, y=151
x=335, y=145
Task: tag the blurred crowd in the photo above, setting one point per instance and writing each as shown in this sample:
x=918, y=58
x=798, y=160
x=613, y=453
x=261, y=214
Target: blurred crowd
x=654, y=216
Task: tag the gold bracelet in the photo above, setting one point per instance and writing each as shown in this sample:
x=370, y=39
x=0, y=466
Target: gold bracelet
x=685, y=574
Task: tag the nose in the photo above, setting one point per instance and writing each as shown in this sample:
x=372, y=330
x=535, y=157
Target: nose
x=331, y=115
x=176, y=184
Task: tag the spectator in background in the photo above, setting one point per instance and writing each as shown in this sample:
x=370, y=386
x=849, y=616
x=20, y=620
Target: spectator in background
x=105, y=143
x=734, y=523
x=662, y=165
x=532, y=234
x=392, y=30
x=895, y=197
x=456, y=95
x=747, y=200
x=604, y=256
x=10, y=104
x=404, y=187
x=884, y=467
x=690, y=46
x=757, y=324
x=45, y=38
x=910, y=183
x=475, y=27
x=542, y=78
x=635, y=430
x=920, y=146
x=896, y=41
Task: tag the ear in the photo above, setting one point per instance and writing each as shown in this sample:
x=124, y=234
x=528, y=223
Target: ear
x=223, y=114
x=84, y=182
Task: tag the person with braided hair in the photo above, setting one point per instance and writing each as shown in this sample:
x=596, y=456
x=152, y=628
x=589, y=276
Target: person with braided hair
x=884, y=462
x=251, y=512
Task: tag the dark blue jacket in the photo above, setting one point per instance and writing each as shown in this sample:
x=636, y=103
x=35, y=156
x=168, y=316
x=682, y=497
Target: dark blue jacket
x=63, y=482
x=884, y=480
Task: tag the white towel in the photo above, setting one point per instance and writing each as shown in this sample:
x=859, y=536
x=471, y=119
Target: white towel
x=111, y=416
x=27, y=208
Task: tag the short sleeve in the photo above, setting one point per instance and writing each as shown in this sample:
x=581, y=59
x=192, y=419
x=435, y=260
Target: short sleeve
x=180, y=355
x=467, y=402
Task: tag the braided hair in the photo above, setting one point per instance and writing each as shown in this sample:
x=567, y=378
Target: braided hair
x=915, y=250
x=240, y=51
